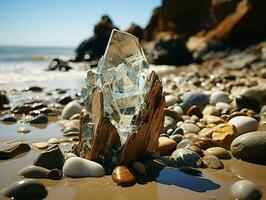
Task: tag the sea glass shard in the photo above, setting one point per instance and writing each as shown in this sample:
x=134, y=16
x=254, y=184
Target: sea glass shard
x=120, y=75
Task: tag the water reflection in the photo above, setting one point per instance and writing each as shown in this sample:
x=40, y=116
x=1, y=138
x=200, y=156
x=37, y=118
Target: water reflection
x=173, y=176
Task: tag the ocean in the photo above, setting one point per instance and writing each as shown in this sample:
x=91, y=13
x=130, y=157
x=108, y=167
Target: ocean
x=25, y=66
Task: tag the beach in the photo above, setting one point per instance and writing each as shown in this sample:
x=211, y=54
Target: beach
x=211, y=184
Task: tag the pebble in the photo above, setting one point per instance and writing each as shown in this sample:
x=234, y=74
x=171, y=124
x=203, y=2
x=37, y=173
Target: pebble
x=219, y=96
x=139, y=168
x=55, y=174
x=185, y=143
x=179, y=110
x=200, y=141
x=178, y=131
x=169, y=123
x=211, y=119
x=34, y=89
x=211, y=110
x=25, y=189
x=53, y=141
x=245, y=190
x=69, y=129
x=196, y=150
x=185, y=157
x=9, y=119
x=244, y=124
x=170, y=100
x=190, y=128
x=212, y=162
x=39, y=119
x=23, y=130
x=63, y=100
x=122, y=176
x=79, y=167
x=206, y=132
x=71, y=109
x=219, y=152
x=10, y=149
x=167, y=160
x=40, y=145
x=250, y=147
x=51, y=158
x=34, y=172
x=194, y=110
x=224, y=107
x=247, y=102
x=70, y=155
x=224, y=134
x=176, y=137
x=194, y=98
x=166, y=146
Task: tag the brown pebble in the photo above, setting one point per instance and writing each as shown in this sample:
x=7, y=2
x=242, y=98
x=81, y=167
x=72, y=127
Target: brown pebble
x=194, y=110
x=122, y=176
x=166, y=146
x=196, y=150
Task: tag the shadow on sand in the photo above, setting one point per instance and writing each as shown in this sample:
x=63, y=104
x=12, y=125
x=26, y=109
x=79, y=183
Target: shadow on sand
x=196, y=183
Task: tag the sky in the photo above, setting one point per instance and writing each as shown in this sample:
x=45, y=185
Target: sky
x=65, y=23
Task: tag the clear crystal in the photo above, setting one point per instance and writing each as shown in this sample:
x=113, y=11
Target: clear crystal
x=120, y=75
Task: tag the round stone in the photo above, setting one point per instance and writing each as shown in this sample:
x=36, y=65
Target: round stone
x=190, y=128
x=170, y=100
x=26, y=189
x=23, y=130
x=166, y=146
x=53, y=141
x=245, y=190
x=250, y=147
x=34, y=172
x=122, y=176
x=39, y=119
x=219, y=152
x=219, y=96
x=212, y=162
x=40, y=145
x=185, y=157
x=185, y=143
x=139, y=168
x=80, y=167
x=194, y=98
x=55, y=174
x=70, y=155
x=244, y=124
x=211, y=110
x=71, y=109
x=224, y=107
x=177, y=137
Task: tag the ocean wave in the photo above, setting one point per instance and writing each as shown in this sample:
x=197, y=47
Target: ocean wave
x=35, y=58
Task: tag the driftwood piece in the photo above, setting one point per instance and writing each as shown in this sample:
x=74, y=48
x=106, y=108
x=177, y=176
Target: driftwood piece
x=105, y=138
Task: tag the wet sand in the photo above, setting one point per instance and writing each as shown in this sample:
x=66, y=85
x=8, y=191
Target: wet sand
x=170, y=184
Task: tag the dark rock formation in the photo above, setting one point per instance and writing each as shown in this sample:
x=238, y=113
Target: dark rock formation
x=135, y=30
x=95, y=45
x=3, y=99
x=179, y=16
x=171, y=51
x=245, y=26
